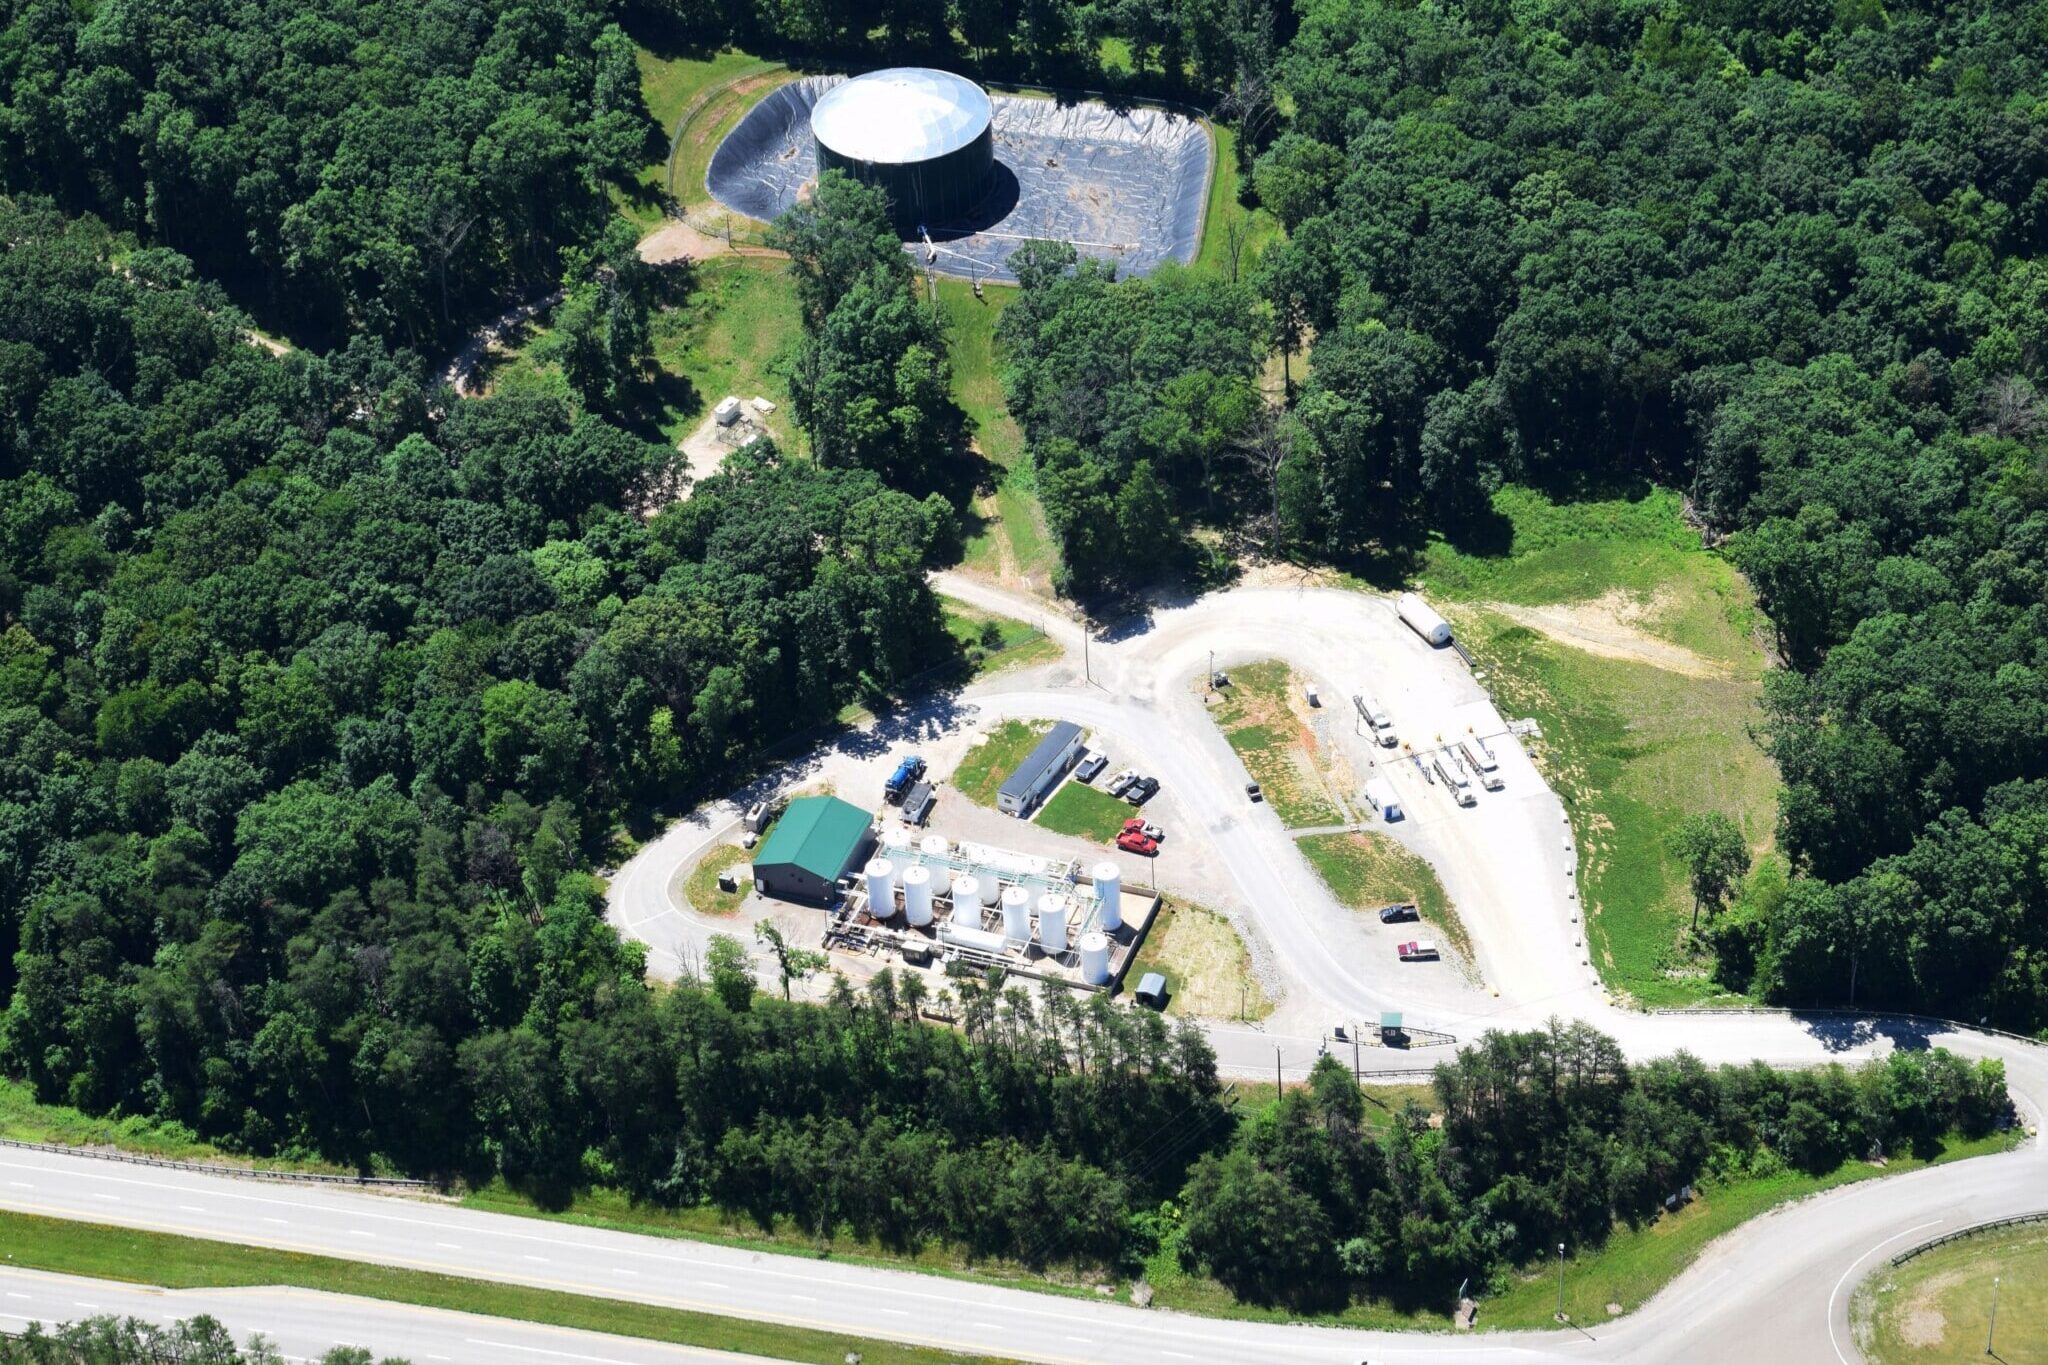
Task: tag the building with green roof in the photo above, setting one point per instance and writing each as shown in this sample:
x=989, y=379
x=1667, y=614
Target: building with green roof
x=818, y=840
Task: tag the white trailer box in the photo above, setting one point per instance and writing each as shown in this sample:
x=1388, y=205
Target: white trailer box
x=728, y=411
x=1423, y=620
x=1381, y=796
x=1375, y=716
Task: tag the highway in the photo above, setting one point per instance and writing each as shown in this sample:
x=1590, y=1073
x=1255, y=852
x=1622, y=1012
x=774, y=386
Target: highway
x=1775, y=1291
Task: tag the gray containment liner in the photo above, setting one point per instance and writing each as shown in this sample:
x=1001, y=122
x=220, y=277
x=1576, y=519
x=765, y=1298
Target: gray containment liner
x=1125, y=187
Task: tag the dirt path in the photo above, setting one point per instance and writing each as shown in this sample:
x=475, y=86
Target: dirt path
x=1606, y=626
x=676, y=240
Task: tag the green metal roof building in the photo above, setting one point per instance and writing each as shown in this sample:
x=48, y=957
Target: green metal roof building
x=818, y=840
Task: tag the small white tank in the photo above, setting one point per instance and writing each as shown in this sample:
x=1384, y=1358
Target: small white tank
x=991, y=885
x=1052, y=924
x=881, y=877
x=896, y=840
x=1017, y=915
x=917, y=896
x=934, y=848
x=1094, y=958
x=966, y=895
x=1109, y=881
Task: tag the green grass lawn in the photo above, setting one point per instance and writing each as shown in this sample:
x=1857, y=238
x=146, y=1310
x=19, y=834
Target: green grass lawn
x=712, y=92
x=1260, y=227
x=1256, y=714
x=700, y=889
x=1084, y=812
x=1015, y=643
x=1937, y=1306
x=987, y=765
x=725, y=339
x=110, y=1253
x=1207, y=968
x=1366, y=871
x=1632, y=746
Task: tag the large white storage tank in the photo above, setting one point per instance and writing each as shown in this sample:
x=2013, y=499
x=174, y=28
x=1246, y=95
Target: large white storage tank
x=1109, y=882
x=991, y=884
x=896, y=842
x=933, y=848
x=966, y=896
x=1422, y=619
x=1052, y=923
x=917, y=896
x=881, y=878
x=1094, y=958
x=1017, y=915
x=969, y=937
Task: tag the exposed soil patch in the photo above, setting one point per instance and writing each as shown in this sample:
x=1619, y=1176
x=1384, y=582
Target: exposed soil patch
x=1921, y=1321
x=1608, y=625
x=676, y=240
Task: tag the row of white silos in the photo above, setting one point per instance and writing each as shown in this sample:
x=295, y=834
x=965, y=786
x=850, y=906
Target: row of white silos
x=969, y=889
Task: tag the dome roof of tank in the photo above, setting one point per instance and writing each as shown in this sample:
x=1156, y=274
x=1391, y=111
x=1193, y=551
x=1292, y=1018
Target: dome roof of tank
x=903, y=114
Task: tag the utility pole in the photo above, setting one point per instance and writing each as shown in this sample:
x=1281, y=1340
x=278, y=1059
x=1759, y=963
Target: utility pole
x=1357, y=1069
x=1560, y=1281
x=1209, y=683
x=1991, y=1332
x=1276, y=1073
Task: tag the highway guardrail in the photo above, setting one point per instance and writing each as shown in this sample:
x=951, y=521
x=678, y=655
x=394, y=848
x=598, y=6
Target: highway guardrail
x=214, y=1168
x=1971, y=1231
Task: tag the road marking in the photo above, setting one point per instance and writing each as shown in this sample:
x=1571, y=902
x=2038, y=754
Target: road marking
x=447, y=1246
x=281, y=1222
x=81, y=1303
x=621, y=1270
x=897, y=1312
x=543, y=1351
x=190, y=1208
x=803, y=1298
x=21, y=1184
x=542, y=1259
x=12, y=1295
x=1177, y=1355
x=358, y=1232
x=1083, y=1340
x=1837, y=1292
x=110, y=1198
x=707, y=1284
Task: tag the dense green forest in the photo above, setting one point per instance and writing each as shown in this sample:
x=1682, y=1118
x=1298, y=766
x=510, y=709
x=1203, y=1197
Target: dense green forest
x=315, y=699
x=383, y=166
x=1787, y=257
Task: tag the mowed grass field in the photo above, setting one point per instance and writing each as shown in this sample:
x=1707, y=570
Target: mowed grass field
x=712, y=92
x=700, y=888
x=1207, y=968
x=1084, y=812
x=175, y=1262
x=1637, y=653
x=1257, y=714
x=982, y=772
x=1365, y=871
x=1015, y=643
x=1936, y=1308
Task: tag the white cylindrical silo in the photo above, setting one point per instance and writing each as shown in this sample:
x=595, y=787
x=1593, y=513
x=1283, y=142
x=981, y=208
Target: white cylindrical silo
x=896, y=840
x=1094, y=958
x=934, y=847
x=1017, y=915
x=917, y=896
x=966, y=897
x=1052, y=924
x=1109, y=881
x=881, y=876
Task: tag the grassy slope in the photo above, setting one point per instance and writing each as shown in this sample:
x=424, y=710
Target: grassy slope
x=673, y=86
x=1207, y=968
x=725, y=339
x=23, y=1118
x=1632, y=748
x=1019, y=644
x=1937, y=1306
x=1366, y=871
x=174, y=1262
x=1256, y=715
x=982, y=772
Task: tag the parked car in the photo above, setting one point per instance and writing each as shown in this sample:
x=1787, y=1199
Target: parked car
x=1136, y=841
x=1144, y=827
x=1422, y=950
x=1141, y=791
x=1313, y=697
x=1121, y=783
x=1398, y=914
x=1251, y=789
x=1091, y=766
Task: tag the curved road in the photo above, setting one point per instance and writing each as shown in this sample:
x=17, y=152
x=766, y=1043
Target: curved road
x=1775, y=1290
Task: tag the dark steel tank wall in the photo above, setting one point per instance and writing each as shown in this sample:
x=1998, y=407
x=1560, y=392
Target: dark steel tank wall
x=930, y=193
